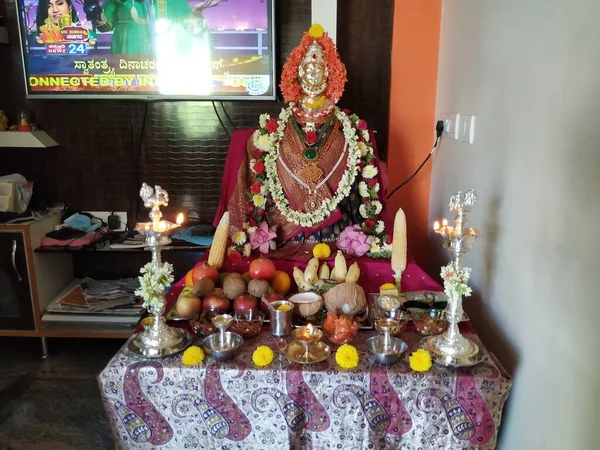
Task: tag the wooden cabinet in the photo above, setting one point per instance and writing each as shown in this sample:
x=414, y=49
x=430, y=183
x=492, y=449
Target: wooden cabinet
x=28, y=281
x=16, y=299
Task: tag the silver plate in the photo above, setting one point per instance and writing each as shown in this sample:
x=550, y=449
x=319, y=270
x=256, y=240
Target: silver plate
x=135, y=345
x=474, y=356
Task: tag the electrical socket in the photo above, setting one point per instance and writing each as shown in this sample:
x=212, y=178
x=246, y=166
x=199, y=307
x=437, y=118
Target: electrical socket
x=451, y=121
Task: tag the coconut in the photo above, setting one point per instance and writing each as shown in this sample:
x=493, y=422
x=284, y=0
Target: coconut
x=258, y=288
x=203, y=286
x=307, y=303
x=346, y=298
x=233, y=286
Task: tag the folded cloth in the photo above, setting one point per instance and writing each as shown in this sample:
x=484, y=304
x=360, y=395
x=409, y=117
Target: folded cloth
x=73, y=239
x=186, y=235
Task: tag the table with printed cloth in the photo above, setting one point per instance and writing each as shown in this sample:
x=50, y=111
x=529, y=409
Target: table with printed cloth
x=162, y=404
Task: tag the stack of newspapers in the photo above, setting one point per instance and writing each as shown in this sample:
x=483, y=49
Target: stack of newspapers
x=99, y=301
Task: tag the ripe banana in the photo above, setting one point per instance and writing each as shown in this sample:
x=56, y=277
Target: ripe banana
x=353, y=273
x=324, y=272
x=339, y=270
x=303, y=285
x=310, y=274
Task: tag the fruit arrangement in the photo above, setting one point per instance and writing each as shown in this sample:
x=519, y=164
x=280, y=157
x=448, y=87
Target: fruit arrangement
x=209, y=292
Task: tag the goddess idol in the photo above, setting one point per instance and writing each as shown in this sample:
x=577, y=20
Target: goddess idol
x=309, y=175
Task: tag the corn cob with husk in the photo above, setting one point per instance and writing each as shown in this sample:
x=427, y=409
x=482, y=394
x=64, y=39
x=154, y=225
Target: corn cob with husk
x=399, y=247
x=219, y=243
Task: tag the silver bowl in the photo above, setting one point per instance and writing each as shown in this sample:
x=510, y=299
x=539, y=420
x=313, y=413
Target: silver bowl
x=395, y=352
x=212, y=346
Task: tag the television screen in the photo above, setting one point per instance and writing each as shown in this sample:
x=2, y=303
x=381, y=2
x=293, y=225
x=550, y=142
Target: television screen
x=151, y=49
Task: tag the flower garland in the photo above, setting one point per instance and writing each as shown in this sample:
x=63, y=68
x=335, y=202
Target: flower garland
x=153, y=283
x=456, y=280
x=360, y=164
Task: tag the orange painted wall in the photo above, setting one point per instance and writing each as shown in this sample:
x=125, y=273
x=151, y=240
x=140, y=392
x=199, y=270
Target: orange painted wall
x=415, y=48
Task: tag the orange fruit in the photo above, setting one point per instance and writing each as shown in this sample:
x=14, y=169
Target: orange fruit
x=281, y=282
x=188, y=278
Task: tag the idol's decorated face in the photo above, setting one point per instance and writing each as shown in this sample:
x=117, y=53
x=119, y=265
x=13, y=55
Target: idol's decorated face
x=313, y=71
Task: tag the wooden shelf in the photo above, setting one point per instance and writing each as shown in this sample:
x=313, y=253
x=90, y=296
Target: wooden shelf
x=24, y=139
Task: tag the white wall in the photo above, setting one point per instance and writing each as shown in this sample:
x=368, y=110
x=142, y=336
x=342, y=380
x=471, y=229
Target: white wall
x=530, y=71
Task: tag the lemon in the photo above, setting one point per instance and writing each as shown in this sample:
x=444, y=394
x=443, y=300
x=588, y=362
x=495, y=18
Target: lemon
x=387, y=286
x=284, y=308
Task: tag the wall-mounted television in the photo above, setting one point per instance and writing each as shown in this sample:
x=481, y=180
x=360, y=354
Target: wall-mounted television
x=148, y=49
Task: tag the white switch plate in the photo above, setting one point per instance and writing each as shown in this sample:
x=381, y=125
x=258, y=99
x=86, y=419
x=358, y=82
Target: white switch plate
x=467, y=129
x=104, y=216
x=451, y=121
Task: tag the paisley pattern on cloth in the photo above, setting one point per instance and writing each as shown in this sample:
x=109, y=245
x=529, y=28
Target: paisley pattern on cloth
x=234, y=405
x=135, y=399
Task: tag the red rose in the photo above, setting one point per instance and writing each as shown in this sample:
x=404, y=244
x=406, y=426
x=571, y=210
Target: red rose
x=235, y=256
x=255, y=188
x=372, y=182
x=311, y=137
x=250, y=208
x=370, y=223
x=259, y=167
x=257, y=153
x=346, y=111
x=260, y=213
x=365, y=200
x=389, y=239
x=252, y=222
x=361, y=124
x=272, y=126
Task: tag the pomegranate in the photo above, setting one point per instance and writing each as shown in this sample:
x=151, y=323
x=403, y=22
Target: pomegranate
x=214, y=301
x=205, y=271
x=262, y=269
x=244, y=303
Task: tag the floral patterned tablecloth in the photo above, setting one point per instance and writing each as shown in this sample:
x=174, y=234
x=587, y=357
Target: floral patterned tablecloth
x=161, y=404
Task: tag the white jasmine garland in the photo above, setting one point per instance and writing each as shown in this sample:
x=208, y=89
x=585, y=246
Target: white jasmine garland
x=363, y=189
x=153, y=282
x=455, y=280
x=344, y=186
x=250, y=230
x=263, y=119
x=369, y=171
x=380, y=227
x=239, y=238
x=259, y=200
x=247, y=250
x=378, y=207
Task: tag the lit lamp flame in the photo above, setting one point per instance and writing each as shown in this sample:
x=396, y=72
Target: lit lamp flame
x=309, y=329
x=436, y=226
x=180, y=218
x=445, y=223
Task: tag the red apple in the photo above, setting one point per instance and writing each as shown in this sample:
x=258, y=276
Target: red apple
x=267, y=300
x=215, y=302
x=205, y=271
x=244, y=303
x=262, y=269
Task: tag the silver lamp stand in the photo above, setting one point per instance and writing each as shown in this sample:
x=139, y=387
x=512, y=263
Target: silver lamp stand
x=159, y=339
x=451, y=348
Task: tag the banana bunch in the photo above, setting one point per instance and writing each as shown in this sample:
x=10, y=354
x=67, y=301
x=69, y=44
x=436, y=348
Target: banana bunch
x=307, y=280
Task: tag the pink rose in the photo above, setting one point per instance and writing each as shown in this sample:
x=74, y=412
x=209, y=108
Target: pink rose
x=354, y=242
x=263, y=238
x=361, y=124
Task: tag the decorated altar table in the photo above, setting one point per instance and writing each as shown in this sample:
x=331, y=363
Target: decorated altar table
x=162, y=404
